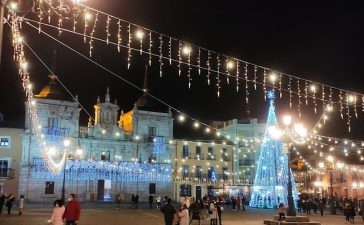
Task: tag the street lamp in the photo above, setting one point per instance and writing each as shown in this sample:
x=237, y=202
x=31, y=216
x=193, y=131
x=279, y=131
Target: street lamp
x=66, y=143
x=297, y=134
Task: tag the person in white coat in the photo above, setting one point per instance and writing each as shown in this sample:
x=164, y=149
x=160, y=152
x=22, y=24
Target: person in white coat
x=21, y=204
x=183, y=215
x=213, y=214
x=57, y=214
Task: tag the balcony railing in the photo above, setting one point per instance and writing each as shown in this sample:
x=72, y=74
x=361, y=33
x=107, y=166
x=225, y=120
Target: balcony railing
x=204, y=176
x=211, y=157
x=225, y=158
x=246, y=162
x=7, y=173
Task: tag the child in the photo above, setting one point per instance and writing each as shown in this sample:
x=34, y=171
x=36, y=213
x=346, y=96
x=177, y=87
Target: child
x=282, y=215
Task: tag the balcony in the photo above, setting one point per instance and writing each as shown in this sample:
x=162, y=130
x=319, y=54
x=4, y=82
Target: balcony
x=203, y=176
x=7, y=173
x=225, y=158
x=211, y=157
x=246, y=162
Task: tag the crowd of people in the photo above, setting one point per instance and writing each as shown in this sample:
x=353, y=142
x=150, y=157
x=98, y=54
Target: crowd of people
x=201, y=209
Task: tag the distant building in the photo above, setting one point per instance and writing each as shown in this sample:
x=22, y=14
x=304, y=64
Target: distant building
x=10, y=156
x=247, y=135
x=126, y=155
x=202, y=169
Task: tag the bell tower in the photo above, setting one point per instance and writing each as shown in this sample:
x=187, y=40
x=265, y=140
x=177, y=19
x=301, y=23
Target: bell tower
x=106, y=113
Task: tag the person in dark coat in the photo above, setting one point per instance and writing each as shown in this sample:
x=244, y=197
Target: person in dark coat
x=219, y=210
x=150, y=201
x=136, y=201
x=132, y=205
x=10, y=202
x=2, y=202
x=352, y=212
x=195, y=209
x=168, y=210
x=321, y=207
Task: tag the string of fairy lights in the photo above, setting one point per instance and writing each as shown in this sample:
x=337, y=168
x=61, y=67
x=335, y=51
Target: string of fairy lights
x=55, y=167
x=347, y=105
x=19, y=57
x=133, y=37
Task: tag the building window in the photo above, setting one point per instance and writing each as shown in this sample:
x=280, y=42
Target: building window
x=152, y=131
x=185, y=171
x=4, y=142
x=224, y=155
x=49, y=188
x=185, y=151
x=185, y=190
x=225, y=174
x=105, y=156
x=53, y=122
x=4, y=168
x=212, y=174
x=198, y=151
x=210, y=153
x=152, y=158
x=198, y=172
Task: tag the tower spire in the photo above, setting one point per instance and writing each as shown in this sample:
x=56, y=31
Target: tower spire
x=107, y=97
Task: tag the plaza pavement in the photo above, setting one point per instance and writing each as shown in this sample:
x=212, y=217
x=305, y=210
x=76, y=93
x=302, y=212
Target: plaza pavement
x=106, y=214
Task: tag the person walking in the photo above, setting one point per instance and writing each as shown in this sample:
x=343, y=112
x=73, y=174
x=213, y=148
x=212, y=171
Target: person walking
x=168, y=210
x=118, y=200
x=201, y=207
x=132, y=203
x=21, y=204
x=150, y=201
x=2, y=202
x=72, y=211
x=321, y=207
x=352, y=212
x=238, y=203
x=9, y=203
x=219, y=208
x=57, y=214
x=347, y=211
x=183, y=215
x=195, y=209
x=158, y=199
x=243, y=201
x=213, y=214
x=281, y=211
x=136, y=201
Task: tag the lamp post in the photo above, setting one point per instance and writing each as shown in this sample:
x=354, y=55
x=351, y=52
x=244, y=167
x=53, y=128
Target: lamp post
x=298, y=132
x=66, y=143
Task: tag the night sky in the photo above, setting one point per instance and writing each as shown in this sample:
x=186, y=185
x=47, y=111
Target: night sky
x=323, y=42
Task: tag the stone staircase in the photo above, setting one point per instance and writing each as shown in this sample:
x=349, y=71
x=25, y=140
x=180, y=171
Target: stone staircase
x=291, y=220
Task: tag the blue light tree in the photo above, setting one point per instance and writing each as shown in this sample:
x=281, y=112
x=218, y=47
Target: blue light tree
x=271, y=178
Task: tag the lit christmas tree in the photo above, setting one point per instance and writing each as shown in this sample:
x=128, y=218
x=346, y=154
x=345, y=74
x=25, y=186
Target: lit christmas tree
x=270, y=183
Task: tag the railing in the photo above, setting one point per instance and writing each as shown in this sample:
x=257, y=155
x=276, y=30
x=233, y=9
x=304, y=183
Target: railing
x=7, y=173
x=246, y=162
x=211, y=157
x=225, y=158
x=204, y=176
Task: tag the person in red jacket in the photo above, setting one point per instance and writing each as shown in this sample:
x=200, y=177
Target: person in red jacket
x=73, y=210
